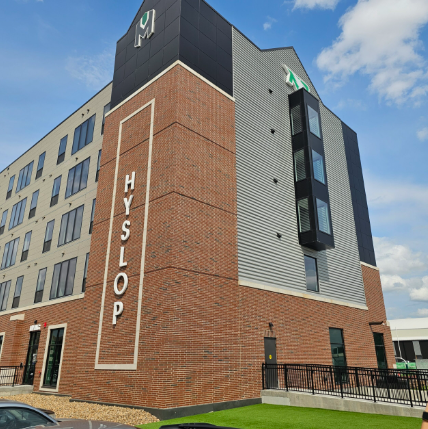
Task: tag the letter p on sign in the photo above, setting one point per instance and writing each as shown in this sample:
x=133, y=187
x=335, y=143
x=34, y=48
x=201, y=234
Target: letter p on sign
x=117, y=311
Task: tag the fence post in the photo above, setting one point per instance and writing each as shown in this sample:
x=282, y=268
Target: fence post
x=357, y=380
x=419, y=386
x=14, y=376
x=408, y=386
x=341, y=383
x=263, y=376
x=387, y=384
x=373, y=386
x=286, y=376
x=312, y=380
x=331, y=379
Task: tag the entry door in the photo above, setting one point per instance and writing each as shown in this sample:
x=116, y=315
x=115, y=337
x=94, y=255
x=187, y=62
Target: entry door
x=30, y=365
x=271, y=373
x=54, y=358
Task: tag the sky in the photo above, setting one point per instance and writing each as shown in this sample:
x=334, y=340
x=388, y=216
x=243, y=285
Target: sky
x=367, y=59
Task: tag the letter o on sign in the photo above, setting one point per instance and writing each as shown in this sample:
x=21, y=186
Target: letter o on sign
x=125, y=284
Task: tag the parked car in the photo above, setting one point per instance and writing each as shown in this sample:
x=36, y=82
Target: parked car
x=16, y=415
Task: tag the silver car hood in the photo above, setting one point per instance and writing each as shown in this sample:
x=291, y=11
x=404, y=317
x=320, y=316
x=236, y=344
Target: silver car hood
x=83, y=424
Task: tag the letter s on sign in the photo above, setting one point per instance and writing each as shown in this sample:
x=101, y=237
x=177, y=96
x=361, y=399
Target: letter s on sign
x=125, y=284
x=125, y=229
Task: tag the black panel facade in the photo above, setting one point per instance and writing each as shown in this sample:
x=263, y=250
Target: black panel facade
x=186, y=30
x=359, y=198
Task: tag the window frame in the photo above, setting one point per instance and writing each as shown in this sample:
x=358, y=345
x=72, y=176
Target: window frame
x=9, y=254
x=296, y=178
x=48, y=243
x=4, y=294
x=85, y=273
x=71, y=179
x=17, y=298
x=91, y=223
x=3, y=221
x=10, y=186
x=105, y=111
x=97, y=174
x=309, y=122
x=316, y=271
x=73, y=223
x=25, y=249
x=58, y=277
x=342, y=344
x=61, y=154
x=88, y=128
x=24, y=178
x=32, y=211
x=328, y=216
x=38, y=296
x=55, y=196
x=39, y=171
x=18, y=213
x=299, y=222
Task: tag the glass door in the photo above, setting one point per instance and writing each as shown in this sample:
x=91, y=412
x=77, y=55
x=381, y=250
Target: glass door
x=54, y=358
x=30, y=365
x=380, y=351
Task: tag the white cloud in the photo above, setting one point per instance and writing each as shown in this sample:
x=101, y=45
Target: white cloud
x=423, y=134
x=420, y=294
x=423, y=312
x=380, y=38
x=312, y=4
x=94, y=71
x=352, y=104
x=268, y=24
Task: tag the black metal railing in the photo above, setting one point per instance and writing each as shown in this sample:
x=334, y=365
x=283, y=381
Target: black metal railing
x=409, y=387
x=11, y=375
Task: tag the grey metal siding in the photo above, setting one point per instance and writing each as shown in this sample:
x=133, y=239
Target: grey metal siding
x=266, y=208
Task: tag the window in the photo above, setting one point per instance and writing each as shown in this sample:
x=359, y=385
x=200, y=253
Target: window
x=9, y=254
x=314, y=122
x=41, y=279
x=71, y=224
x=337, y=347
x=40, y=165
x=98, y=166
x=53, y=362
x=318, y=165
x=299, y=165
x=323, y=217
x=91, y=225
x=23, y=418
x=106, y=110
x=3, y=221
x=304, y=215
x=85, y=273
x=48, y=236
x=83, y=135
x=296, y=120
x=4, y=294
x=17, y=215
x=77, y=178
x=62, y=148
x=311, y=274
x=33, y=204
x=26, y=247
x=24, y=177
x=63, y=279
x=380, y=351
x=55, y=191
x=17, y=294
x=10, y=187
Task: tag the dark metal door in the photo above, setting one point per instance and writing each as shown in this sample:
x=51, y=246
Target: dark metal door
x=30, y=365
x=270, y=360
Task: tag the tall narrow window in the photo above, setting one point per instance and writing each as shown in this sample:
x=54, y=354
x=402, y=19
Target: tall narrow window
x=4, y=294
x=33, y=205
x=77, y=178
x=71, y=225
x=10, y=187
x=63, y=279
x=54, y=362
x=91, y=225
x=9, y=254
x=323, y=217
x=17, y=294
x=299, y=165
x=24, y=177
x=26, y=246
x=17, y=215
x=314, y=122
x=61, y=151
x=98, y=166
x=318, y=165
x=3, y=221
x=380, y=350
x=337, y=347
x=55, y=191
x=85, y=273
x=40, y=165
x=41, y=279
x=83, y=135
x=106, y=110
x=296, y=120
x=48, y=236
x=311, y=274
x=304, y=215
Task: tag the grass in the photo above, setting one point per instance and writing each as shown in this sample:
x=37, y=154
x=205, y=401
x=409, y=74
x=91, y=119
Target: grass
x=266, y=416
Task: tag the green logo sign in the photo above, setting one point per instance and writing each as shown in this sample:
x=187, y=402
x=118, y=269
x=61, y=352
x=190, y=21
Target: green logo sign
x=145, y=28
x=293, y=80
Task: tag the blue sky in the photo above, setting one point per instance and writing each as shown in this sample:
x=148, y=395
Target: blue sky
x=367, y=59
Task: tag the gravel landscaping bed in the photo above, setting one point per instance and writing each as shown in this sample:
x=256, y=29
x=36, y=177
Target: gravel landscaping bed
x=65, y=409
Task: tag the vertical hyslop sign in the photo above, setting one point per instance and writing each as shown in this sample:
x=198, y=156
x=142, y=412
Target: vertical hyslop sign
x=122, y=277
x=145, y=27
x=293, y=80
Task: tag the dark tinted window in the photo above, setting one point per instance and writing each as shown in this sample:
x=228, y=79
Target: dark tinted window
x=24, y=177
x=63, y=279
x=71, y=225
x=311, y=274
x=77, y=178
x=41, y=279
x=9, y=253
x=17, y=215
x=83, y=135
x=17, y=294
x=40, y=165
x=61, y=151
x=4, y=294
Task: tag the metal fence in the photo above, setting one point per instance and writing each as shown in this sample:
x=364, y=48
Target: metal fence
x=409, y=387
x=11, y=375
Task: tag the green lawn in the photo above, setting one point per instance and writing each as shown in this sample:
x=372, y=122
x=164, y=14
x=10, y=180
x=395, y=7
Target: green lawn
x=265, y=416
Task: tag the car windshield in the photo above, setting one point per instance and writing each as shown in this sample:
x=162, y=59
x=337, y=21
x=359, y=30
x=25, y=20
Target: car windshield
x=21, y=418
